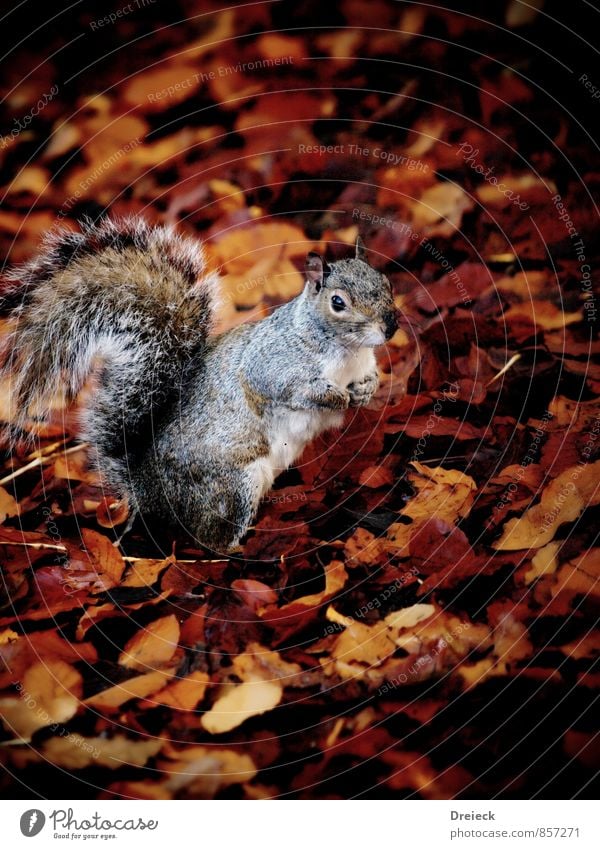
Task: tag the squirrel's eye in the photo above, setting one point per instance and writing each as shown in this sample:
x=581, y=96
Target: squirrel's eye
x=337, y=304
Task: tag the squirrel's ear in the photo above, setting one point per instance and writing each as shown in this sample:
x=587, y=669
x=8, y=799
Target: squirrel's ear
x=314, y=271
x=361, y=251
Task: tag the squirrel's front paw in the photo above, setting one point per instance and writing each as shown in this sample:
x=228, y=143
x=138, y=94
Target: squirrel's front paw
x=363, y=390
x=336, y=399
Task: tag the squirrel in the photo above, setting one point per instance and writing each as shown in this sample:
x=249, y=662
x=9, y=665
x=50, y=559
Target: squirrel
x=191, y=427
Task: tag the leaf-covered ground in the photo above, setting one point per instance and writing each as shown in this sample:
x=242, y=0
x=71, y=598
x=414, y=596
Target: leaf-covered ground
x=414, y=613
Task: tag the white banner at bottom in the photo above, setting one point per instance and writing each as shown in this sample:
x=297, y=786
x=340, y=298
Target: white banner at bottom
x=298, y=824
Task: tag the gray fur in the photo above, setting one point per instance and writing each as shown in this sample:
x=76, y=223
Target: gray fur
x=191, y=428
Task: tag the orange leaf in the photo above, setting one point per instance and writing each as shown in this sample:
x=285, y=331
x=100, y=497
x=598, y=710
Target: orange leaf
x=138, y=687
x=153, y=646
x=185, y=693
x=49, y=693
x=106, y=559
x=335, y=578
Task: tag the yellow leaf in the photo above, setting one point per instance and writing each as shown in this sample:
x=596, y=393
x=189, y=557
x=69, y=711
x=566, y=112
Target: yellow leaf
x=240, y=702
x=77, y=752
x=8, y=636
x=161, y=88
x=8, y=505
x=580, y=576
x=138, y=687
x=410, y=616
x=444, y=201
x=229, y=196
x=32, y=179
x=543, y=563
x=241, y=249
x=543, y=313
x=204, y=770
x=145, y=572
x=258, y=662
x=432, y=639
x=64, y=137
x=185, y=693
x=444, y=493
x=335, y=578
x=49, y=693
x=563, y=500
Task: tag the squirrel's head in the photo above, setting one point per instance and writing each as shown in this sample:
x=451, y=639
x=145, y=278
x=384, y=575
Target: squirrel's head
x=352, y=299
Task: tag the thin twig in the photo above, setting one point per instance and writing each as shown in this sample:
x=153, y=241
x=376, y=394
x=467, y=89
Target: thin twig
x=38, y=546
x=22, y=470
x=157, y=560
x=503, y=370
x=38, y=461
x=49, y=449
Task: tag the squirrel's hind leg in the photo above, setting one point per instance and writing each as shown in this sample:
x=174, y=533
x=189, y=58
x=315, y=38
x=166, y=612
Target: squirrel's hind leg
x=222, y=511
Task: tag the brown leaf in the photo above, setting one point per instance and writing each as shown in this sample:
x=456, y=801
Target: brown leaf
x=99, y=571
x=375, y=477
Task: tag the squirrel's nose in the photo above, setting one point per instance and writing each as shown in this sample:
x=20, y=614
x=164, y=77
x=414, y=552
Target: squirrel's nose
x=391, y=323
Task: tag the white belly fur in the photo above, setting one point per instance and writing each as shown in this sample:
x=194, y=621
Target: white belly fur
x=292, y=430
x=351, y=368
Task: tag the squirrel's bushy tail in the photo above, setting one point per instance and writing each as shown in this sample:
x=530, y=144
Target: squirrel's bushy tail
x=121, y=302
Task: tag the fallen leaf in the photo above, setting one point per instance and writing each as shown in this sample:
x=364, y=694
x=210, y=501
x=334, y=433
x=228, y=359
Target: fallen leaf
x=185, y=693
x=563, y=500
x=106, y=559
x=240, y=702
x=440, y=209
x=153, y=646
x=138, y=687
x=8, y=505
x=199, y=772
x=49, y=693
x=77, y=752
